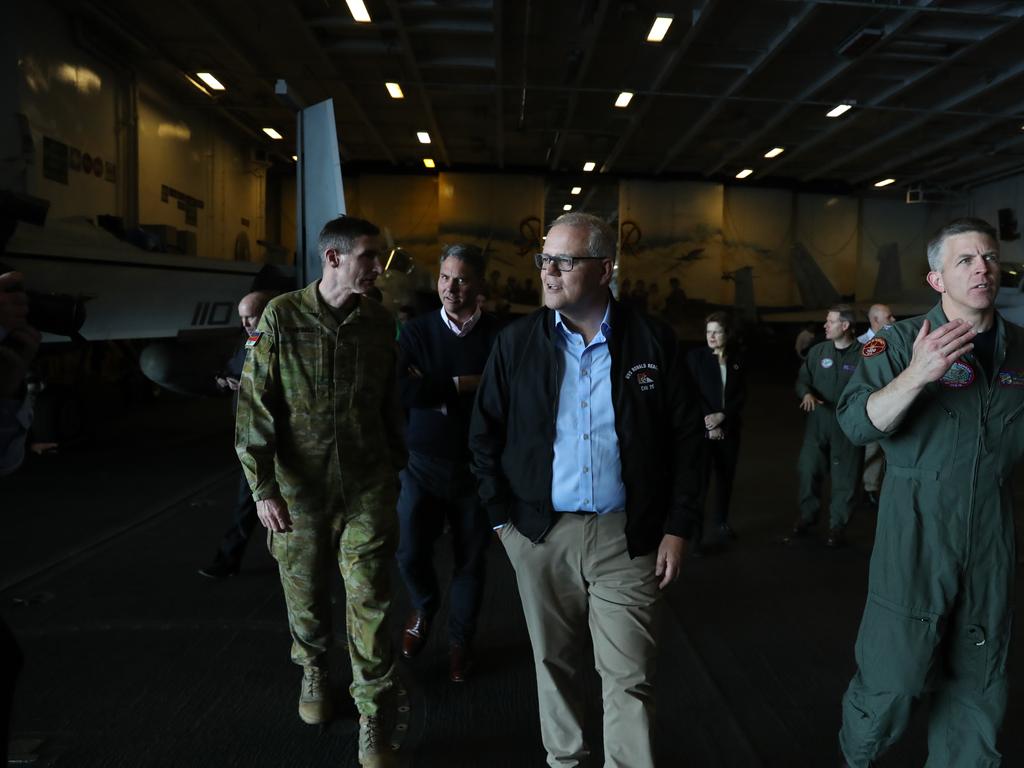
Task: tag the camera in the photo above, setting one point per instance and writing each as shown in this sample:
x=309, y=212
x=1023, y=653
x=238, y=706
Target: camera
x=55, y=313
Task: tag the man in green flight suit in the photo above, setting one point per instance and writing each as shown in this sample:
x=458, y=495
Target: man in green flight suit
x=944, y=394
x=821, y=380
x=319, y=434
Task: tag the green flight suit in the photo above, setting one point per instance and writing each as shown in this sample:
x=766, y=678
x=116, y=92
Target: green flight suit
x=319, y=424
x=824, y=374
x=940, y=585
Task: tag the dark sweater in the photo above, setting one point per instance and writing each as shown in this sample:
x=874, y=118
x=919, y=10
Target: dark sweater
x=427, y=344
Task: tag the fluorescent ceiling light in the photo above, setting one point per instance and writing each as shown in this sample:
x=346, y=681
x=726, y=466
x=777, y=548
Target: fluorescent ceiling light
x=744, y=173
x=358, y=10
x=566, y=207
x=423, y=136
x=659, y=28
x=210, y=80
x=838, y=110
x=428, y=162
x=295, y=158
x=272, y=133
x=575, y=190
x=395, y=90
x=624, y=98
x=885, y=182
x=774, y=152
x=588, y=167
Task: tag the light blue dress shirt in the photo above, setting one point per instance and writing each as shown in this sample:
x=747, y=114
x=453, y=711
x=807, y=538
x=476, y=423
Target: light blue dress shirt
x=586, y=474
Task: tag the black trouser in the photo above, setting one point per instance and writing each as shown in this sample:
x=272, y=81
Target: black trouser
x=244, y=519
x=718, y=457
x=435, y=491
x=10, y=666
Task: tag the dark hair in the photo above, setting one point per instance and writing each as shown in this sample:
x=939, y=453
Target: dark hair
x=724, y=319
x=956, y=227
x=846, y=314
x=341, y=233
x=471, y=255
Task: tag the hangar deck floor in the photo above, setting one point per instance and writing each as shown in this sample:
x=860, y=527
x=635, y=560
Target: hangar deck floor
x=134, y=660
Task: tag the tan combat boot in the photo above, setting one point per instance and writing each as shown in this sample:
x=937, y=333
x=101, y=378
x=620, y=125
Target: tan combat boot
x=374, y=747
x=315, y=698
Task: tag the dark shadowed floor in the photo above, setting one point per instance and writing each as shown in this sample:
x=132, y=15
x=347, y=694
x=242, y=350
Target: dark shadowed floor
x=134, y=660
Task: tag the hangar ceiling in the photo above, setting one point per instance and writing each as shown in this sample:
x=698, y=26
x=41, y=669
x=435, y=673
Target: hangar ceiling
x=936, y=86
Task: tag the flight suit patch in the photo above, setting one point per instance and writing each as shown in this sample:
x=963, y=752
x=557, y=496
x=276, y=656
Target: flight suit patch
x=826, y=362
x=644, y=375
x=958, y=376
x=1011, y=379
x=874, y=347
x=849, y=367
x=254, y=339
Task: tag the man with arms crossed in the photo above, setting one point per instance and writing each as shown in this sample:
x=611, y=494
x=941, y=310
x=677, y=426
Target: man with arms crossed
x=944, y=395
x=318, y=432
x=585, y=439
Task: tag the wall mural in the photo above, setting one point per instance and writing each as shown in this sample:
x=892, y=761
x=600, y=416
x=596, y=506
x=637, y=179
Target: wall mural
x=503, y=215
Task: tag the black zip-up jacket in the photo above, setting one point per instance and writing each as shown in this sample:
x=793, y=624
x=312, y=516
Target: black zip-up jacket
x=512, y=431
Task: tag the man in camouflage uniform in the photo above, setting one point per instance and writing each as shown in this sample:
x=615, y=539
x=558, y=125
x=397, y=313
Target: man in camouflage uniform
x=318, y=432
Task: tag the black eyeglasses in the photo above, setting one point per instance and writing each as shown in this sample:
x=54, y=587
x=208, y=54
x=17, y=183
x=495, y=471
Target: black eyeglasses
x=562, y=262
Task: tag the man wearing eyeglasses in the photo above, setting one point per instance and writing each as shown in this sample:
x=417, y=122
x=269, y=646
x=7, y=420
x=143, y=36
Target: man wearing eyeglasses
x=584, y=438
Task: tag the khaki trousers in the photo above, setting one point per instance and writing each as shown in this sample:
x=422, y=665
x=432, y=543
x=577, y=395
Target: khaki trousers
x=579, y=576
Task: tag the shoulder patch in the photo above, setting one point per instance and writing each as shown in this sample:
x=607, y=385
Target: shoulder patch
x=254, y=339
x=874, y=347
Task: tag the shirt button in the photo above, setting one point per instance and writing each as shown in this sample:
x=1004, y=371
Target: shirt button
x=586, y=436
x=583, y=404
x=583, y=372
x=586, y=501
x=586, y=469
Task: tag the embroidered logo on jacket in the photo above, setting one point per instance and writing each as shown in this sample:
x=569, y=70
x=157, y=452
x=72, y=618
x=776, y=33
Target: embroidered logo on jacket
x=849, y=367
x=644, y=373
x=958, y=376
x=826, y=362
x=1011, y=378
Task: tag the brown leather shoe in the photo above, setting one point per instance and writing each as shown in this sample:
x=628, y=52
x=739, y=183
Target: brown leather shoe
x=415, y=635
x=460, y=663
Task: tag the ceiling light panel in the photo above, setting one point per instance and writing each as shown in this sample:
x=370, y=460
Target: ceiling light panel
x=575, y=190
x=272, y=133
x=839, y=109
x=395, y=90
x=210, y=80
x=659, y=28
x=423, y=137
x=774, y=152
x=885, y=182
x=428, y=162
x=589, y=166
x=623, y=100
x=744, y=173
x=358, y=10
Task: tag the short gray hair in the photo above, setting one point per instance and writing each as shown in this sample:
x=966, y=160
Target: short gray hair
x=956, y=227
x=601, y=238
x=472, y=255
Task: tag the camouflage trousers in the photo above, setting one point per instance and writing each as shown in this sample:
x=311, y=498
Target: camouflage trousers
x=360, y=535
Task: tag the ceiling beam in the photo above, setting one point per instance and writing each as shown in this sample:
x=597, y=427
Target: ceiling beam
x=328, y=71
x=986, y=153
x=589, y=47
x=897, y=89
x=793, y=25
x=700, y=20
x=951, y=103
x=809, y=92
x=992, y=173
x=895, y=5
x=947, y=139
x=414, y=70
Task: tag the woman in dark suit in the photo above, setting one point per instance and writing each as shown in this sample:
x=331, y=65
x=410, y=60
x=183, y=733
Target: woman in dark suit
x=719, y=376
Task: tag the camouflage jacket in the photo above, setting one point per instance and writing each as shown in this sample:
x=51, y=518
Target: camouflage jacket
x=318, y=403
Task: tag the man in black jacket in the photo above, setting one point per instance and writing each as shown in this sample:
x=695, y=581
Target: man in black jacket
x=585, y=439
x=442, y=355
